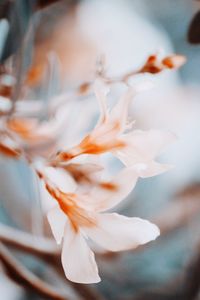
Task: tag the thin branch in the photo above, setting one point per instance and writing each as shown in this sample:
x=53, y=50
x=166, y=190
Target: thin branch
x=42, y=247
x=45, y=249
x=153, y=65
x=23, y=276
x=177, y=214
x=174, y=216
x=87, y=292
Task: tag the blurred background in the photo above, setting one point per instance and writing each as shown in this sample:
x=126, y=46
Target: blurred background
x=57, y=44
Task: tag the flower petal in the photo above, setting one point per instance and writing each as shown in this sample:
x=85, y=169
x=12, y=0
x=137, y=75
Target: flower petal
x=115, y=232
x=77, y=259
x=143, y=146
x=118, y=189
x=57, y=220
x=101, y=91
x=120, y=111
x=61, y=179
x=152, y=168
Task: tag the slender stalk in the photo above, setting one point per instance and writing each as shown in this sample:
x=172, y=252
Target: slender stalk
x=17, y=272
x=39, y=246
x=176, y=215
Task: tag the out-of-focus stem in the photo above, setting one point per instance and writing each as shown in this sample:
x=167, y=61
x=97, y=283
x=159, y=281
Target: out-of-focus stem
x=39, y=246
x=17, y=272
x=176, y=215
x=45, y=249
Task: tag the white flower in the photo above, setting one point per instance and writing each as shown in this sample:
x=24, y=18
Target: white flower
x=134, y=148
x=77, y=217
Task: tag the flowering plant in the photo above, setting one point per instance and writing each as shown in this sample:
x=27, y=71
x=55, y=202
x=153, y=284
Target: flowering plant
x=74, y=176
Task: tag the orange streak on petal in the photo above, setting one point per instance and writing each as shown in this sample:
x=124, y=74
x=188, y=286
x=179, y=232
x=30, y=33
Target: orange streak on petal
x=109, y=186
x=21, y=124
x=35, y=74
x=100, y=140
x=7, y=151
x=67, y=202
x=27, y=129
x=64, y=156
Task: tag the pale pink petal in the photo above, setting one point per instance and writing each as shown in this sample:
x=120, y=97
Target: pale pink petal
x=77, y=259
x=143, y=146
x=152, y=142
x=130, y=155
x=89, y=167
x=121, y=185
x=120, y=111
x=101, y=91
x=57, y=220
x=61, y=179
x=152, y=168
x=116, y=233
x=47, y=201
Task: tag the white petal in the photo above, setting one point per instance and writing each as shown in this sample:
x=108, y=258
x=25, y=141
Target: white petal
x=151, y=142
x=57, y=220
x=61, y=179
x=47, y=201
x=116, y=233
x=101, y=91
x=152, y=168
x=143, y=146
x=104, y=199
x=77, y=259
x=120, y=110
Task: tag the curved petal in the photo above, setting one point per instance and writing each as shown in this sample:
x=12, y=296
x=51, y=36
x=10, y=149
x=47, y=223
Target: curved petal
x=120, y=110
x=57, y=220
x=152, y=168
x=115, y=232
x=61, y=179
x=101, y=91
x=143, y=146
x=77, y=259
x=117, y=189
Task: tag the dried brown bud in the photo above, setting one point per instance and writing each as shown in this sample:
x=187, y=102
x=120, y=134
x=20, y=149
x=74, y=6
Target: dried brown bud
x=84, y=88
x=6, y=91
x=174, y=61
x=153, y=65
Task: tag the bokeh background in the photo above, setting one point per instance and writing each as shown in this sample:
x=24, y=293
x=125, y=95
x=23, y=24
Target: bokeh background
x=126, y=32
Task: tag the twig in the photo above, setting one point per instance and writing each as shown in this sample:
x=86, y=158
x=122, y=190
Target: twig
x=42, y=247
x=23, y=276
x=153, y=65
x=174, y=216
x=177, y=214
x=46, y=249
x=87, y=292
x=190, y=283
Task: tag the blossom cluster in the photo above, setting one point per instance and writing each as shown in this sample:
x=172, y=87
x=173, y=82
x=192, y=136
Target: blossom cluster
x=73, y=177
